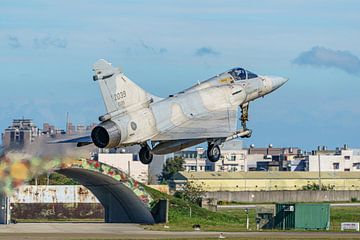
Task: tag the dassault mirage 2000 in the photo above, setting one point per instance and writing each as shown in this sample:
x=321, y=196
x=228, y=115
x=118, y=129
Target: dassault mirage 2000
x=205, y=112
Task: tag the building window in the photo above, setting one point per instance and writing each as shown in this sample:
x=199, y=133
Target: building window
x=12, y=137
x=347, y=169
x=233, y=157
x=347, y=157
x=336, y=166
x=22, y=138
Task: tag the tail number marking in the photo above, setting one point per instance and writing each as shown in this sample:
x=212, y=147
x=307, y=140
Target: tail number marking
x=119, y=96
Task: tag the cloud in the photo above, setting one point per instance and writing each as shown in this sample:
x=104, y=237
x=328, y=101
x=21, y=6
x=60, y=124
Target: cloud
x=163, y=50
x=113, y=40
x=50, y=42
x=14, y=42
x=206, y=51
x=153, y=49
x=325, y=57
x=139, y=46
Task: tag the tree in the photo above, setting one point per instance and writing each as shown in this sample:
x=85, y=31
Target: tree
x=53, y=179
x=191, y=192
x=172, y=166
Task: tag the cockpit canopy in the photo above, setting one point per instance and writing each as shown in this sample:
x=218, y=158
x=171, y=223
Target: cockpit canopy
x=242, y=74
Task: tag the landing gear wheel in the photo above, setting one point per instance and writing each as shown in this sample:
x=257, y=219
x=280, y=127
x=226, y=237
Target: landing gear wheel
x=145, y=155
x=213, y=153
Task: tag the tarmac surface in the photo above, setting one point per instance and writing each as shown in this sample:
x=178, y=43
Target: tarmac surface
x=55, y=231
x=243, y=206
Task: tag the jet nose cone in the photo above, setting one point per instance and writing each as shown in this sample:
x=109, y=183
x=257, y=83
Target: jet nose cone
x=278, y=81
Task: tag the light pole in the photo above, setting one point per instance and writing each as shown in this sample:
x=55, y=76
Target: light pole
x=247, y=218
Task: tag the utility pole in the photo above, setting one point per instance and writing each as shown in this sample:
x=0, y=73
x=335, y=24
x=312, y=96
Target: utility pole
x=319, y=171
x=129, y=168
x=67, y=122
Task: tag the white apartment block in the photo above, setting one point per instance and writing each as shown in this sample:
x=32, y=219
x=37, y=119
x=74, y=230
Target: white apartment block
x=128, y=163
x=236, y=159
x=342, y=160
x=233, y=159
x=195, y=160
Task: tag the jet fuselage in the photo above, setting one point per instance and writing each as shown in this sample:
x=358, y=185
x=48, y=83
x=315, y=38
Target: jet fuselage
x=218, y=94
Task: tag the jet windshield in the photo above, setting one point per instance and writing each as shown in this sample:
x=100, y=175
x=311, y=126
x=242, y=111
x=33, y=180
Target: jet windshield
x=242, y=74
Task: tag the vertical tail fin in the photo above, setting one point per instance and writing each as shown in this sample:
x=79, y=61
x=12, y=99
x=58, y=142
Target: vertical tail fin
x=118, y=92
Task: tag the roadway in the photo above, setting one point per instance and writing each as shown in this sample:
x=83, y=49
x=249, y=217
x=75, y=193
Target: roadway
x=243, y=206
x=60, y=231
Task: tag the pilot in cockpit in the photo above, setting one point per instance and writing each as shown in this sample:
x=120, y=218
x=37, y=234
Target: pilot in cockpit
x=238, y=74
x=242, y=74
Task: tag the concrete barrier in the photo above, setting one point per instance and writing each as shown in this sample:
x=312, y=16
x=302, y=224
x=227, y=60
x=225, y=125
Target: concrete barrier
x=160, y=211
x=284, y=196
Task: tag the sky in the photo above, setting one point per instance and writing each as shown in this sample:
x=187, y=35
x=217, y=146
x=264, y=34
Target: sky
x=48, y=48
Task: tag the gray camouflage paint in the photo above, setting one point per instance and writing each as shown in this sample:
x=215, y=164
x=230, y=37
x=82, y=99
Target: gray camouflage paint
x=204, y=111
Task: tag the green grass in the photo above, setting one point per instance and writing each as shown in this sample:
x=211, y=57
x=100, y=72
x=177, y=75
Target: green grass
x=343, y=214
x=179, y=217
x=231, y=219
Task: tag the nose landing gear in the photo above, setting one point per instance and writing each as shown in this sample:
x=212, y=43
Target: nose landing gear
x=244, y=118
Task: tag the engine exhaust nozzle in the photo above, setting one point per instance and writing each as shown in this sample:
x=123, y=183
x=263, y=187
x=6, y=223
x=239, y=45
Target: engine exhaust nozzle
x=106, y=135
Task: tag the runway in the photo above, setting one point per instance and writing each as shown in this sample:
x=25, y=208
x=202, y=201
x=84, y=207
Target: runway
x=57, y=231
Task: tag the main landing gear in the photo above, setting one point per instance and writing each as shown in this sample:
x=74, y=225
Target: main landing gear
x=145, y=154
x=213, y=152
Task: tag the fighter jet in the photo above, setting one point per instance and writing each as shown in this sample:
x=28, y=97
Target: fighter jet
x=205, y=112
